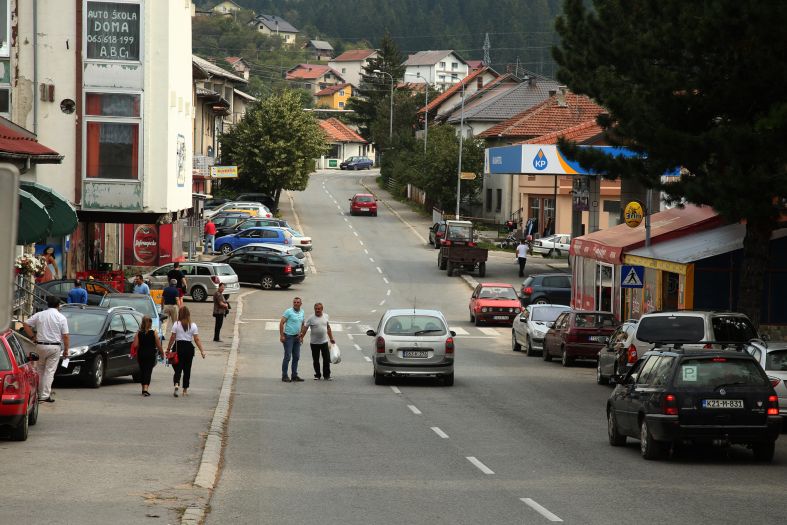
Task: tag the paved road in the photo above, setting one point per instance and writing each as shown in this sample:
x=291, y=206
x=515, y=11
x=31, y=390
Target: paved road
x=516, y=440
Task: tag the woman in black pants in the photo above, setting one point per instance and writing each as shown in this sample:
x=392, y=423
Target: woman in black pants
x=184, y=336
x=148, y=344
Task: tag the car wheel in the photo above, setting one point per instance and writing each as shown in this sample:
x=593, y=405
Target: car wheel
x=616, y=439
x=21, y=430
x=529, y=347
x=550, y=253
x=225, y=249
x=565, y=360
x=482, y=269
x=442, y=262
x=96, y=376
x=515, y=346
x=649, y=447
x=374, y=214
x=267, y=282
x=448, y=379
x=764, y=451
x=199, y=294
x=472, y=317
x=545, y=355
x=32, y=418
x=378, y=378
x=601, y=379
x=450, y=269
x=477, y=321
x=541, y=300
x=557, y=253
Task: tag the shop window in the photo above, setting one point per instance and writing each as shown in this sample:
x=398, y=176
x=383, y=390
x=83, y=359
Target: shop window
x=112, y=135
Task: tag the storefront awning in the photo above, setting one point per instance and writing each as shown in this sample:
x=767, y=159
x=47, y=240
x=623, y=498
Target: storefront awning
x=611, y=244
x=63, y=214
x=34, y=221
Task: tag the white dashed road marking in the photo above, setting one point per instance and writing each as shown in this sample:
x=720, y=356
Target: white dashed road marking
x=483, y=468
x=396, y=390
x=379, y=270
x=367, y=358
x=414, y=410
x=357, y=347
x=386, y=280
x=540, y=509
x=440, y=432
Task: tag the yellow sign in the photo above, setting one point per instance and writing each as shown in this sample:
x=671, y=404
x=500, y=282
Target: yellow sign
x=467, y=175
x=224, y=172
x=633, y=214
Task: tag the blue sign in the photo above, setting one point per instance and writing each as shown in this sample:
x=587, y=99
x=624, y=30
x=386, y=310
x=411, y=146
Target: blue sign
x=540, y=161
x=632, y=276
x=504, y=159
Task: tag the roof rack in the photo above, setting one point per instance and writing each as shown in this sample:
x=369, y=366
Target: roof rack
x=120, y=307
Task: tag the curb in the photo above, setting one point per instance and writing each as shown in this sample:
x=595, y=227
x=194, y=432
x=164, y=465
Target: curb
x=471, y=282
x=211, y=454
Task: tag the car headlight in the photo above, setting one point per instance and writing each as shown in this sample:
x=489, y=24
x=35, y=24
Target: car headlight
x=484, y=309
x=77, y=350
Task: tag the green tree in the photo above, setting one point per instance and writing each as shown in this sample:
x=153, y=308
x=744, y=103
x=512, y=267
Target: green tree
x=698, y=85
x=274, y=146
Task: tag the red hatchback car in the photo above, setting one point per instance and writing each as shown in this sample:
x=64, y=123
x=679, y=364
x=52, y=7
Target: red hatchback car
x=578, y=335
x=494, y=303
x=18, y=386
x=363, y=203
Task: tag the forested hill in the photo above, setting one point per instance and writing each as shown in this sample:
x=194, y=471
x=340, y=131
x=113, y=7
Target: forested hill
x=517, y=28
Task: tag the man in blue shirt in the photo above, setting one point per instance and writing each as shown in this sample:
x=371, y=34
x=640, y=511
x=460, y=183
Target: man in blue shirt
x=77, y=295
x=139, y=285
x=290, y=335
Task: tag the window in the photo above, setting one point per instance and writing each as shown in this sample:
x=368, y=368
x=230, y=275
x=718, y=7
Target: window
x=116, y=326
x=645, y=375
x=113, y=31
x=341, y=93
x=16, y=348
x=112, y=135
x=442, y=78
x=489, y=199
x=479, y=83
x=270, y=234
x=442, y=65
x=341, y=104
x=499, y=201
x=131, y=323
x=5, y=28
x=674, y=328
x=454, y=66
x=344, y=70
x=454, y=76
x=203, y=270
x=733, y=328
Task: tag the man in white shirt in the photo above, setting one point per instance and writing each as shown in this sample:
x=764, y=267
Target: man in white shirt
x=51, y=337
x=521, y=255
x=321, y=336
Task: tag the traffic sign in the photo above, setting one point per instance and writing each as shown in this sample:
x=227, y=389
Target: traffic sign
x=633, y=214
x=631, y=276
x=467, y=175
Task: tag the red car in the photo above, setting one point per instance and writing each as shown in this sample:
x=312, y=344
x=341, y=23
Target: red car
x=578, y=335
x=363, y=203
x=494, y=303
x=18, y=386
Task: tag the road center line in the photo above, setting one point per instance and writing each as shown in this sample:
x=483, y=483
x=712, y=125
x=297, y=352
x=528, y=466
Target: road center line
x=365, y=251
x=367, y=358
x=350, y=336
x=361, y=242
x=371, y=260
x=414, y=410
x=541, y=510
x=396, y=390
x=355, y=233
x=440, y=432
x=386, y=280
x=345, y=219
x=357, y=347
x=379, y=270
x=483, y=468
x=382, y=302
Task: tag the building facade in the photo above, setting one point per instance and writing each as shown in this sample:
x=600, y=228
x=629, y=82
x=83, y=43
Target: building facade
x=350, y=64
x=441, y=69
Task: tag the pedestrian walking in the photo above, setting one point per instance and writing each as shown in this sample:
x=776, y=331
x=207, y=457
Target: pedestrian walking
x=521, y=255
x=220, y=310
x=170, y=296
x=140, y=286
x=148, y=344
x=77, y=295
x=177, y=274
x=184, y=336
x=210, y=236
x=321, y=336
x=51, y=337
x=290, y=335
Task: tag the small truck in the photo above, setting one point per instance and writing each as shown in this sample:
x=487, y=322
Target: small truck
x=459, y=251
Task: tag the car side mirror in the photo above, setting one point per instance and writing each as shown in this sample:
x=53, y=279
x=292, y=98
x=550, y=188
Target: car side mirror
x=32, y=356
x=371, y=333
x=453, y=334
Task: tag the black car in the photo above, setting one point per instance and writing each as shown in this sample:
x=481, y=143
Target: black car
x=546, y=288
x=436, y=233
x=251, y=222
x=100, y=343
x=357, y=163
x=96, y=290
x=262, y=198
x=263, y=248
x=268, y=269
x=702, y=396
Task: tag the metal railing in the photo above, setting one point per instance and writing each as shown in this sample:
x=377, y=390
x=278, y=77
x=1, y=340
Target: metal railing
x=27, y=298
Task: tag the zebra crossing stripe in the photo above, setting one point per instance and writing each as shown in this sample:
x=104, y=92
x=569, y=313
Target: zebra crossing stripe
x=489, y=331
x=458, y=331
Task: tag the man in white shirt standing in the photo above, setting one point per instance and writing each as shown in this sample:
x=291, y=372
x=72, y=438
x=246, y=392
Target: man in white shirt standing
x=521, y=255
x=321, y=336
x=51, y=337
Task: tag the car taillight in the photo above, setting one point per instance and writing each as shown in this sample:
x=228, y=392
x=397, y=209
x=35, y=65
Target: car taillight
x=449, y=345
x=304, y=242
x=380, y=345
x=669, y=405
x=268, y=215
x=11, y=390
x=471, y=244
x=773, y=406
x=631, y=354
x=446, y=242
x=286, y=241
x=719, y=359
x=527, y=291
x=774, y=381
x=288, y=269
x=215, y=279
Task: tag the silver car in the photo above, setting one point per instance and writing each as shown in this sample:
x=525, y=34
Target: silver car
x=202, y=278
x=773, y=359
x=531, y=326
x=413, y=342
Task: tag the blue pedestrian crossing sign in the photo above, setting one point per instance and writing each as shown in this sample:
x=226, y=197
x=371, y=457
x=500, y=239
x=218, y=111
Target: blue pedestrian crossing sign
x=631, y=276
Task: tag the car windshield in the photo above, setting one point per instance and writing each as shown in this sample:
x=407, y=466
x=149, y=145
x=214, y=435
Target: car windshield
x=224, y=269
x=5, y=362
x=715, y=372
x=414, y=325
x=672, y=328
x=776, y=360
x=498, y=292
x=142, y=304
x=546, y=314
x=84, y=323
x=364, y=198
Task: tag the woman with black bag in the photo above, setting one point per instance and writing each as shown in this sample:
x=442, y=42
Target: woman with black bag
x=220, y=310
x=148, y=344
x=184, y=336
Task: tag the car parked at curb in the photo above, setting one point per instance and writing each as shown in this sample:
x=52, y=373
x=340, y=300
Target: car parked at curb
x=253, y=222
x=363, y=203
x=437, y=233
x=578, y=335
x=773, y=359
x=546, y=288
x=532, y=325
x=142, y=303
x=255, y=209
x=269, y=234
x=259, y=247
x=552, y=246
x=18, y=385
x=262, y=198
x=300, y=240
x=96, y=290
x=202, y=278
x=357, y=163
x=494, y=303
x=268, y=269
x=618, y=354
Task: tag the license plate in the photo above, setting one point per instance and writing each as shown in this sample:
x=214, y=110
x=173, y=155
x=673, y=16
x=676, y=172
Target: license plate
x=722, y=403
x=415, y=353
x=501, y=317
x=364, y=209
x=298, y=270
x=598, y=338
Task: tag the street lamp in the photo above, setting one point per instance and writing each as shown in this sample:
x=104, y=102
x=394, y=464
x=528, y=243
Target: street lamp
x=461, y=137
x=390, y=128
x=426, y=105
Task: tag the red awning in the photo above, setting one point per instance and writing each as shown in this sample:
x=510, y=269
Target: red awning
x=17, y=145
x=609, y=245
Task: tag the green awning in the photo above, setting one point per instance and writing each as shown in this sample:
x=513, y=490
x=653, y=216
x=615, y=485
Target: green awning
x=34, y=221
x=63, y=214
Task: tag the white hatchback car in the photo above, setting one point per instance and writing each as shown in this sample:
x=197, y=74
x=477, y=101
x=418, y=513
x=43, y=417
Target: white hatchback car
x=773, y=359
x=552, y=246
x=531, y=326
x=413, y=342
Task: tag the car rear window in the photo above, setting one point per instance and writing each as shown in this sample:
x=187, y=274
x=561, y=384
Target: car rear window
x=84, y=323
x=425, y=325
x=143, y=305
x=225, y=269
x=364, y=199
x=528, y=281
x=733, y=328
x=715, y=372
x=5, y=361
x=673, y=328
x=776, y=360
x=594, y=321
x=546, y=313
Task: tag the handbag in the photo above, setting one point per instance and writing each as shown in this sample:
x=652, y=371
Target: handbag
x=172, y=357
x=336, y=355
x=133, y=354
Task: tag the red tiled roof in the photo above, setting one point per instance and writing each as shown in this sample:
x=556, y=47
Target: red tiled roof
x=579, y=133
x=475, y=64
x=233, y=60
x=330, y=90
x=547, y=117
x=354, y=55
x=310, y=71
x=337, y=131
x=14, y=144
x=445, y=95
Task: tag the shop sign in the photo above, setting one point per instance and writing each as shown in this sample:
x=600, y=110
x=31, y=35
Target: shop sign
x=633, y=214
x=631, y=276
x=224, y=172
x=113, y=31
x=145, y=244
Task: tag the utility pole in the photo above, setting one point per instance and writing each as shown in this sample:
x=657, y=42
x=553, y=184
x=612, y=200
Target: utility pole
x=461, y=137
x=487, y=48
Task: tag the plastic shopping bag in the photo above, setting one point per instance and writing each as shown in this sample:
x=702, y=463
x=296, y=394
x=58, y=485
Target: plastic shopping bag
x=336, y=355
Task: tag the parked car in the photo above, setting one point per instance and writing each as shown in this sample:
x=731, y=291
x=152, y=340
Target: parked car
x=268, y=269
x=268, y=235
x=253, y=222
x=357, y=163
x=18, y=385
x=300, y=240
x=578, y=335
x=262, y=198
x=260, y=247
x=552, y=246
x=254, y=209
x=362, y=203
x=142, y=303
x=202, y=279
x=494, y=303
x=100, y=340
x=413, y=342
x=225, y=221
x=773, y=359
x=703, y=396
x=437, y=233
x=619, y=354
x=546, y=288
x=96, y=290
x=212, y=204
x=532, y=325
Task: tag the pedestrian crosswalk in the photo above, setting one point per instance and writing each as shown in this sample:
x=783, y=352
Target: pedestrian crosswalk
x=361, y=329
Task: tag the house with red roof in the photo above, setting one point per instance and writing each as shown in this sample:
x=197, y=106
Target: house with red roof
x=314, y=77
x=345, y=143
x=350, y=64
x=333, y=97
x=240, y=66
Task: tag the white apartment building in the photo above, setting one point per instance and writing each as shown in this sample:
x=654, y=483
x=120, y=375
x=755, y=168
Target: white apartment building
x=351, y=63
x=441, y=69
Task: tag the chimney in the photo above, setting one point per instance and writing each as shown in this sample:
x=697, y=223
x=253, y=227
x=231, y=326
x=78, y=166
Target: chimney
x=561, y=96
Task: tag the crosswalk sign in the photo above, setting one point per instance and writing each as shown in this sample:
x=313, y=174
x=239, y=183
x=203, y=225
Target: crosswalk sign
x=631, y=276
